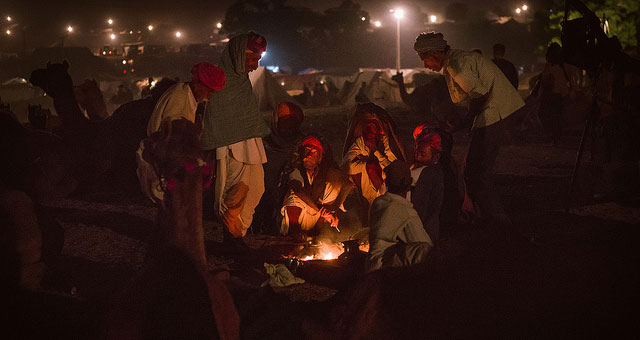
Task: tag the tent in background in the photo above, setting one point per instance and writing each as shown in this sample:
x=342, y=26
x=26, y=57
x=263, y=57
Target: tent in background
x=267, y=90
x=19, y=93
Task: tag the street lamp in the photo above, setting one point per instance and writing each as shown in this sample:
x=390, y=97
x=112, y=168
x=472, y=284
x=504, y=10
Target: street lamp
x=69, y=28
x=524, y=7
x=8, y=32
x=150, y=27
x=377, y=23
x=110, y=21
x=178, y=34
x=219, y=25
x=433, y=18
x=9, y=18
x=518, y=10
x=399, y=14
x=112, y=36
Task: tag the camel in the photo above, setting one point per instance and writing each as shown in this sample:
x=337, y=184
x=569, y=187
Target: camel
x=90, y=99
x=99, y=146
x=30, y=173
x=38, y=117
x=177, y=257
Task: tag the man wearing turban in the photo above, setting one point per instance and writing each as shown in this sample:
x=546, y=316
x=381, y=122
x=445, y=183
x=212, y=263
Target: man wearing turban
x=233, y=129
x=471, y=76
x=179, y=101
x=317, y=188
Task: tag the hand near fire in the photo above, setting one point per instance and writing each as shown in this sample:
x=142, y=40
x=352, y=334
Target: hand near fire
x=330, y=217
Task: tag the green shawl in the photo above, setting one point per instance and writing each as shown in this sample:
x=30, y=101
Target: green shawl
x=232, y=114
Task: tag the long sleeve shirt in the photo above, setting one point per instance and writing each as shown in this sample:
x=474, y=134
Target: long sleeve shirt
x=395, y=224
x=176, y=102
x=355, y=165
x=469, y=74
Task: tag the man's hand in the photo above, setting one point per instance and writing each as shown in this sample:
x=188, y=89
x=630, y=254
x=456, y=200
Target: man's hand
x=398, y=78
x=329, y=217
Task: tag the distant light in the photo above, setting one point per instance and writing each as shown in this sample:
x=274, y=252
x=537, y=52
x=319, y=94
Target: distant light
x=112, y=36
x=130, y=32
x=8, y=32
x=132, y=70
x=219, y=25
x=178, y=34
x=377, y=23
x=124, y=62
x=110, y=21
x=153, y=83
x=263, y=54
x=9, y=18
x=273, y=68
x=518, y=10
x=150, y=27
x=322, y=82
x=363, y=18
x=550, y=11
x=109, y=52
x=281, y=83
x=69, y=29
x=398, y=13
x=124, y=71
x=433, y=18
x=525, y=7
x=104, y=53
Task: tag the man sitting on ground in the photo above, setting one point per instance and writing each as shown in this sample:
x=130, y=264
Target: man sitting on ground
x=370, y=146
x=279, y=145
x=397, y=237
x=317, y=188
x=427, y=183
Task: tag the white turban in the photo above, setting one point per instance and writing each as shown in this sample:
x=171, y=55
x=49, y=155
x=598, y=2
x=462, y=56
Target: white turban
x=429, y=42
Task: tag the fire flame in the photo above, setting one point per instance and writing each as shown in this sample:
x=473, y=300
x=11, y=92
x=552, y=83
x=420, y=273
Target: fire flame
x=325, y=252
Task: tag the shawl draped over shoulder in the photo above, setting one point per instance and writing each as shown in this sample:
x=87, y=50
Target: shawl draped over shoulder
x=232, y=114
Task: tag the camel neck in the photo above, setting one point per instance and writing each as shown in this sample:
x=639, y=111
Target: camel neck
x=67, y=108
x=181, y=218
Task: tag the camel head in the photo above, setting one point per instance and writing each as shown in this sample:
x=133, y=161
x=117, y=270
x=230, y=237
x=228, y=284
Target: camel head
x=174, y=149
x=54, y=79
x=90, y=98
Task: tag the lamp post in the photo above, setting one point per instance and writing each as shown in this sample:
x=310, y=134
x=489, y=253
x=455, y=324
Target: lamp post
x=399, y=14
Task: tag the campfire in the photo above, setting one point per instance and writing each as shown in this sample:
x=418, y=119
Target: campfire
x=326, y=250
x=321, y=251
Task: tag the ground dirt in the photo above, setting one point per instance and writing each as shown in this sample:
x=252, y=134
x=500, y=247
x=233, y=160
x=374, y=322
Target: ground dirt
x=106, y=236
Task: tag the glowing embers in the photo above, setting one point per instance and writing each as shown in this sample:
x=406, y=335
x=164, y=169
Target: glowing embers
x=319, y=250
x=326, y=250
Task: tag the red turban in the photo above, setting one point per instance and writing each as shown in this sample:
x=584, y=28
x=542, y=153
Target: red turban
x=290, y=109
x=256, y=43
x=208, y=74
x=426, y=134
x=312, y=142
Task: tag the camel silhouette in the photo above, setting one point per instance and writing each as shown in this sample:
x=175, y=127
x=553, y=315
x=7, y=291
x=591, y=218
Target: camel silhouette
x=157, y=305
x=104, y=150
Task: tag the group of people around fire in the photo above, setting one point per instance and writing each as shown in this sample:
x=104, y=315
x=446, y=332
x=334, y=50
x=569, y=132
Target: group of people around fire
x=280, y=179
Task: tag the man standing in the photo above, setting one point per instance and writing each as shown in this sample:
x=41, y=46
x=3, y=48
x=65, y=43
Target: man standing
x=505, y=65
x=234, y=127
x=470, y=75
x=177, y=102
